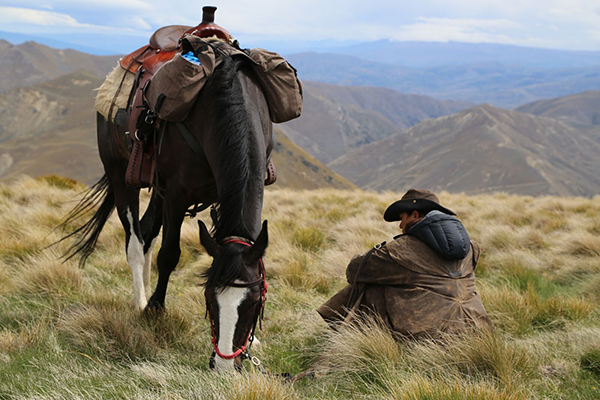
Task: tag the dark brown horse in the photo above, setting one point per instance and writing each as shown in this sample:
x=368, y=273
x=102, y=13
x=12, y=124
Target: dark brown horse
x=231, y=125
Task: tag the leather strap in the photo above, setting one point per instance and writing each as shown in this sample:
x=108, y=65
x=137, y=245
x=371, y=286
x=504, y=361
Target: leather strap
x=189, y=139
x=271, y=173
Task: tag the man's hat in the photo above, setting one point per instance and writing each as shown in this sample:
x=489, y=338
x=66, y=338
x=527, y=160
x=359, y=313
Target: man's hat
x=415, y=200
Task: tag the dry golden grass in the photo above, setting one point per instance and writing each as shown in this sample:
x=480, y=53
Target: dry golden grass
x=420, y=388
x=67, y=332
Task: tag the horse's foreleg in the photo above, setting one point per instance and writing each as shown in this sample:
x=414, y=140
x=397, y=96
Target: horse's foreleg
x=134, y=245
x=168, y=256
x=150, y=224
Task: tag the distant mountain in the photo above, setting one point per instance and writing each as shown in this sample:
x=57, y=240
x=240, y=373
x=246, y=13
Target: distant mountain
x=30, y=63
x=50, y=128
x=436, y=54
x=336, y=119
x=479, y=150
x=580, y=109
x=296, y=169
x=492, y=82
x=60, y=42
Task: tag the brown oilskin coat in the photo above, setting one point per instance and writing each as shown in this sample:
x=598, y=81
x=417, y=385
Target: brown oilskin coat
x=416, y=291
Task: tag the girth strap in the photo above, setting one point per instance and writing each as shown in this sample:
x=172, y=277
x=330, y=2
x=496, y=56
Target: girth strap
x=189, y=139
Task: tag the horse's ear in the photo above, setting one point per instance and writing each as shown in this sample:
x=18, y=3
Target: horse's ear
x=212, y=248
x=259, y=247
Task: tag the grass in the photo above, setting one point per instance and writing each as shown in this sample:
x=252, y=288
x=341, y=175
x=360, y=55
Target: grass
x=70, y=333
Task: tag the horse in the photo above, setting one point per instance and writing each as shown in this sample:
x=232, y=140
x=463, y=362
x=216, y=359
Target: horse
x=230, y=124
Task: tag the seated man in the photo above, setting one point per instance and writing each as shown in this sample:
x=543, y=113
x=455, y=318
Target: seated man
x=421, y=283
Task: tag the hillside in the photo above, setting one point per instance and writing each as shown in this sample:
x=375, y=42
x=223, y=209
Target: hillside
x=296, y=169
x=68, y=332
x=30, y=63
x=336, y=119
x=579, y=109
x=478, y=150
x=50, y=128
x=502, y=85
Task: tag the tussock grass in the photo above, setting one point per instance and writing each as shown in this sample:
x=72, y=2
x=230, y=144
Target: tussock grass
x=422, y=388
x=117, y=332
x=308, y=238
x=591, y=361
x=61, y=182
x=523, y=313
x=584, y=244
x=45, y=273
x=69, y=333
x=364, y=352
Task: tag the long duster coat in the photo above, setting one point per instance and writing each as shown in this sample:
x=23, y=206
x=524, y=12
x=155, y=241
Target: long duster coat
x=421, y=283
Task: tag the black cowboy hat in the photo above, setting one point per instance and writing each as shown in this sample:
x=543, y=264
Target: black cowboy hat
x=415, y=200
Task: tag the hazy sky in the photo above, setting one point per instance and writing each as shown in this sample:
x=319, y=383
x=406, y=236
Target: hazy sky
x=562, y=24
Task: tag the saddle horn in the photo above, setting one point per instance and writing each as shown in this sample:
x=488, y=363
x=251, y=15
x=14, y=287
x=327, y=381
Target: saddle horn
x=208, y=14
x=208, y=28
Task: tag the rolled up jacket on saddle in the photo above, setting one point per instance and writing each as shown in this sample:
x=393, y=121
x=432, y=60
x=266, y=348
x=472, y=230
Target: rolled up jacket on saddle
x=421, y=283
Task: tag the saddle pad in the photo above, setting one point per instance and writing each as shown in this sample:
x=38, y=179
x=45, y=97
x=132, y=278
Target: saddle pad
x=114, y=92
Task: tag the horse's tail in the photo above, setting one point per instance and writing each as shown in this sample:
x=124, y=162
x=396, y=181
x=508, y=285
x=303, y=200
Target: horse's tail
x=87, y=235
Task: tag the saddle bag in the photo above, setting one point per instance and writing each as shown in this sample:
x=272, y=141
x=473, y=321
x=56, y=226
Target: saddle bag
x=173, y=88
x=280, y=83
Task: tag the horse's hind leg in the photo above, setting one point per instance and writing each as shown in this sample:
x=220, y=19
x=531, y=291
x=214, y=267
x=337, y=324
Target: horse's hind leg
x=150, y=224
x=127, y=201
x=112, y=146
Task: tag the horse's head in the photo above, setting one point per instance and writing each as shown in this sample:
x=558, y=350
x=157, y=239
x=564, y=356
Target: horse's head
x=235, y=292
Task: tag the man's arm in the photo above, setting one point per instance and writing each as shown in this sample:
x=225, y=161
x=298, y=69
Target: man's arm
x=377, y=269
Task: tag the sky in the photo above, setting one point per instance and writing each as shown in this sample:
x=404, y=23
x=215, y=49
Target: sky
x=555, y=24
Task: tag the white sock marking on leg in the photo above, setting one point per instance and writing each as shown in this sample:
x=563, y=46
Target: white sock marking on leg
x=135, y=258
x=229, y=300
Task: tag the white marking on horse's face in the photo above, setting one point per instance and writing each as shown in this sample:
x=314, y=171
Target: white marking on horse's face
x=229, y=300
x=136, y=260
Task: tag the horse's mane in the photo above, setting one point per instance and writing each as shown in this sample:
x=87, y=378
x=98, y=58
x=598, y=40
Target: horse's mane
x=232, y=134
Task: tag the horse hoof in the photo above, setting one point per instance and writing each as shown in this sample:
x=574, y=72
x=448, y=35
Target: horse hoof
x=153, y=309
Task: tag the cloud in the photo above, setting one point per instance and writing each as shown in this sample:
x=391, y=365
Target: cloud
x=459, y=30
x=545, y=23
x=15, y=15
x=31, y=21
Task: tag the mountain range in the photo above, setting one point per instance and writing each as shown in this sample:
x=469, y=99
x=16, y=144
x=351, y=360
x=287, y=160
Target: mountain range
x=336, y=119
x=582, y=109
x=436, y=54
x=376, y=137
x=30, y=63
x=502, y=85
x=481, y=149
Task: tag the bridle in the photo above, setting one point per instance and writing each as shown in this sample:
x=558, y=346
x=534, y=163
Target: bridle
x=262, y=280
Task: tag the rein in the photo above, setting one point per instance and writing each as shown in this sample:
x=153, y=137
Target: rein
x=262, y=280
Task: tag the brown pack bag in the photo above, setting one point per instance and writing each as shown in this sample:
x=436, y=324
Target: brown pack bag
x=172, y=90
x=280, y=84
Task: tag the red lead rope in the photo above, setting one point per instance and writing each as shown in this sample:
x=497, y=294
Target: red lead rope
x=263, y=296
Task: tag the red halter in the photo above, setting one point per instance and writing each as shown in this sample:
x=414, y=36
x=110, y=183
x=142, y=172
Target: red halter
x=263, y=298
